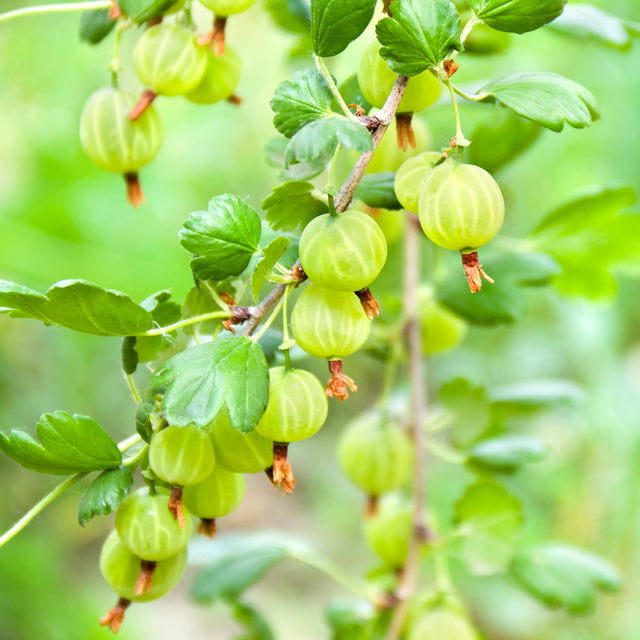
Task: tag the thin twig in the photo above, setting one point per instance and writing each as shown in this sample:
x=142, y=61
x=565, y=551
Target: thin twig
x=409, y=578
x=343, y=199
x=55, y=8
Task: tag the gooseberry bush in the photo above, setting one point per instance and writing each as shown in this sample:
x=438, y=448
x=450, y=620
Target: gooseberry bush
x=226, y=391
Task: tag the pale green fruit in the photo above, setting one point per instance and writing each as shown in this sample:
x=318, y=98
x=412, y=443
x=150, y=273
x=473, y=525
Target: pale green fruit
x=216, y=496
x=411, y=176
x=388, y=532
x=220, y=79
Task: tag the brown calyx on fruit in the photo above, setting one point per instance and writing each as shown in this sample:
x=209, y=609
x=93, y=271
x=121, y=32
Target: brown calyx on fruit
x=208, y=527
x=115, y=11
x=145, y=577
x=154, y=21
x=280, y=473
x=146, y=98
x=474, y=272
x=175, y=505
x=369, y=303
x=450, y=67
x=135, y=197
x=235, y=99
x=215, y=39
x=406, y=136
x=386, y=7
x=371, y=508
x=113, y=619
x=337, y=385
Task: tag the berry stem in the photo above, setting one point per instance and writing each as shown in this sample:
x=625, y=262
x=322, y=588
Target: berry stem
x=322, y=68
x=208, y=527
x=55, y=8
x=175, y=506
x=214, y=315
x=113, y=619
x=146, y=98
x=135, y=196
x=337, y=385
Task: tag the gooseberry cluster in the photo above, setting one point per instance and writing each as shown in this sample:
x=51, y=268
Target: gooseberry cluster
x=121, y=133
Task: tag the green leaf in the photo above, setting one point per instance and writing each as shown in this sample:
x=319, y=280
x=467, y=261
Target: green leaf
x=489, y=518
x=546, y=98
x=533, y=395
x=233, y=564
x=351, y=620
x=292, y=15
x=104, y=494
x=142, y=10
x=68, y=444
x=78, y=305
x=506, y=453
x=316, y=142
x=591, y=23
x=420, y=35
x=95, y=26
x=564, y=577
x=337, y=23
x=501, y=139
x=299, y=101
x=164, y=312
x=589, y=236
x=517, y=16
x=377, y=190
x=223, y=239
x=253, y=622
x=506, y=300
x=202, y=380
x=270, y=255
x=469, y=405
x=292, y=205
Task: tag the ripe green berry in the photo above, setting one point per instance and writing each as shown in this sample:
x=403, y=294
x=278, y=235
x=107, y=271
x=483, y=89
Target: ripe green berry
x=147, y=528
x=111, y=139
x=168, y=60
x=461, y=207
x=227, y=7
x=220, y=79
x=411, y=176
x=121, y=569
x=181, y=456
x=329, y=324
x=239, y=452
x=297, y=406
x=442, y=623
x=376, y=81
x=442, y=329
x=390, y=157
x=375, y=454
x=345, y=252
x=483, y=40
x=388, y=532
x=217, y=495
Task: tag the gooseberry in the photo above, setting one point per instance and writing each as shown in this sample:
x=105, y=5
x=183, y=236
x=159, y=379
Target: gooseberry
x=345, y=252
x=442, y=623
x=389, y=531
x=227, y=7
x=220, y=79
x=411, y=176
x=442, y=329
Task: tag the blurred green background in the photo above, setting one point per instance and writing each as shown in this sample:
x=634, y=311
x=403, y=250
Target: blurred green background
x=61, y=217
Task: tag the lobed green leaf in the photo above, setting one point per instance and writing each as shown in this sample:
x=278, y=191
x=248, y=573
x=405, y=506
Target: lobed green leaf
x=67, y=444
x=506, y=453
x=517, y=16
x=292, y=205
x=270, y=255
x=223, y=238
x=420, y=35
x=200, y=381
x=546, y=98
x=104, y=494
x=377, y=190
x=96, y=25
x=337, y=23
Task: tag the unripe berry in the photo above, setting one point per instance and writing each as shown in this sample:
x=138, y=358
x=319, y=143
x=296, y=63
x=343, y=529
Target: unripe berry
x=217, y=495
x=220, y=79
x=442, y=623
x=442, y=329
x=411, y=176
x=227, y=7
x=390, y=157
x=389, y=531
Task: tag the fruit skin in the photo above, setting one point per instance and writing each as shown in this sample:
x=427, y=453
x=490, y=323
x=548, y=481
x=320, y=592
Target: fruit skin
x=227, y=7
x=483, y=40
x=389, y=156
x=297, y=406
x=376, y=80
x=388, y=532
x=461, y=207
x=345, y=252
x=329, y=324
x=121, y=569
x=146, y=527
x=442, y=329
x=411, y=176
x=374, y=454
x=216, y=496
x=111, y=140
x=442, y=623
x=239, y=452
x=168, y=60
x=220, y=79
x=181, y=456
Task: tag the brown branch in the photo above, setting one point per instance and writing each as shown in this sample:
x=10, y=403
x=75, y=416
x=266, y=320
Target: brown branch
x=345, y=195
x=409, y=576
